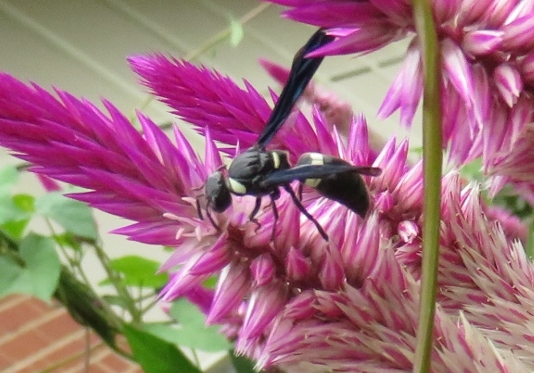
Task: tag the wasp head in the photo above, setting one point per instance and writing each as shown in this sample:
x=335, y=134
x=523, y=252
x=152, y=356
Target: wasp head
x=217, y=193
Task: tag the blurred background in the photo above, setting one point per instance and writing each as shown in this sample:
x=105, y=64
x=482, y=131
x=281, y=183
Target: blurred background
x=81, y=46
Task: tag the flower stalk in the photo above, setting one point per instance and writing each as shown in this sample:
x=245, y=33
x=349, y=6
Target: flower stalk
x=432, y=163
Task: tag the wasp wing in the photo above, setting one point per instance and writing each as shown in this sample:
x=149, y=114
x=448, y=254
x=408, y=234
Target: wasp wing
x=314, y=172
x=302, y=70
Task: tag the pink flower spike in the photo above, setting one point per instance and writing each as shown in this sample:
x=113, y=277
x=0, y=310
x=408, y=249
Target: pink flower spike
x=212, y=260
x=412, y=85
x=444, y=10
x=521, y=9
x=408, y=230
x=182, y=281
x=262, y=269
x=406, y=90
x=233, y=284
x=458, y=70
x=331, y=273
x=335, y=14
x=509, y=83
x=519, y=34
x=365, y=39
x=497, y=12
x=48, y=184
x=482, y=42
x=276, y=71
x=472, y=10
x=264, y=304
x=301, y=306
x=527, y=68
x=201, y=297
x=400, y=11
x=297, y=265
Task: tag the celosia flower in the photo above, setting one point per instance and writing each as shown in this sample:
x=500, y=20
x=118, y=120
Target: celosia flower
x=487, y=53
x=299, y=302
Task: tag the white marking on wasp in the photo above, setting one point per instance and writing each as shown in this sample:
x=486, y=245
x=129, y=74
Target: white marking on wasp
x=316, y=159
x=236, y=187
x=276, y=160
x=312, y=182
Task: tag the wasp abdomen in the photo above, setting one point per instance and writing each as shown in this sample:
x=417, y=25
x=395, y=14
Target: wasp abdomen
x=347, y=188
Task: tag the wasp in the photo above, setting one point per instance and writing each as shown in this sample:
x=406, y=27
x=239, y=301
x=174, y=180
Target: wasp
x=259, y=172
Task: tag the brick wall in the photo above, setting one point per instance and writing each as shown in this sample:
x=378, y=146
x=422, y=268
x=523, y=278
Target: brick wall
x=37, y=337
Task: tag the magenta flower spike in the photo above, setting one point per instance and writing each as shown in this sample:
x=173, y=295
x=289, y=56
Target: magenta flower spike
x=298, y=302
x=488, y=43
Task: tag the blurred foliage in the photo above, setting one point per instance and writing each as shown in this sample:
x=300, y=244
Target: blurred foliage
x=50, y=266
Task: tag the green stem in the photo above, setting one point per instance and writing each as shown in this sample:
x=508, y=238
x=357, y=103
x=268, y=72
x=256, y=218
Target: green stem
x=530, y=242
x=432, y=164
x=121, y=289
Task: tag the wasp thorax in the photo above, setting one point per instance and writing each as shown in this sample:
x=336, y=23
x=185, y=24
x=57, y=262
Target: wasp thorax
x=248, y=169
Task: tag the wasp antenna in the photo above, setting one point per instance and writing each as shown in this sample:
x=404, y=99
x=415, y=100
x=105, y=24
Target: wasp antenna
x=255, y=210
x=212, y=221
x=199, y=188
x=252, y=216
x=199, y=210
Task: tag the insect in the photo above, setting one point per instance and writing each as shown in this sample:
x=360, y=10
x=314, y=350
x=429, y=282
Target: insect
x=259, y=172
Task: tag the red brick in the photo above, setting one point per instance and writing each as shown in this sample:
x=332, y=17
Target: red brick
x=13, y=318
x=11, y=298
x=98, y=368
x=58, y=327
x=4, y=362
x=23, y=345
x=35, y=367
x=76, y=348
x=42, y=306
x=115, y=362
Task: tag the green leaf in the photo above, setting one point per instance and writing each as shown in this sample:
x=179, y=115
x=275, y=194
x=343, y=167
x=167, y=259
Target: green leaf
x=193, y=332
x=15, y=229
x=25, y=202
x=211, y=282
x=186, y=313
x=236, y=32
x=139, y=271
x=10, y=211
x=8, y=178
x=68, y=240
x=242, y=364
x=473, y=171
x=39, y=276
x=72, y=215
x=204, y=338
x=156, y=355
x=116, y=300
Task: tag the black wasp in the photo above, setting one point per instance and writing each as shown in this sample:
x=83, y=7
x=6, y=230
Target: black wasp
x=259, y=172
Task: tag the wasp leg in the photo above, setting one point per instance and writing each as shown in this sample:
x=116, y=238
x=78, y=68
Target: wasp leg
x=274, y=197
x=301, y=186
x=252, y=216
x=306, y=213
